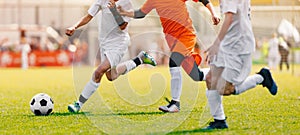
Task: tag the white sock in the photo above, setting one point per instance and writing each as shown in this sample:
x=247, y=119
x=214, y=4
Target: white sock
x=215, y=104
x=205, y=72
x=87, y=92
x=176, y=83
x=250, y=82
x=130, y=65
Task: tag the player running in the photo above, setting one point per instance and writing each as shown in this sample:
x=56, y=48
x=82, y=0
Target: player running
x=114, y=40
x=230, y=60
x=181, y=39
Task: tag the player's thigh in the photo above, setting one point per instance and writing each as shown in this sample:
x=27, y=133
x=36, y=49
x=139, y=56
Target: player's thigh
x=183, y=48
x=226, y=88
x=214, y=77
x=111, y=74
x=102, y=68
x=208, y=80
x=113, y=58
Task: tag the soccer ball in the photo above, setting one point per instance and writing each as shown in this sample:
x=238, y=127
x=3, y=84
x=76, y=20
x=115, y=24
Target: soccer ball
x=41, y=104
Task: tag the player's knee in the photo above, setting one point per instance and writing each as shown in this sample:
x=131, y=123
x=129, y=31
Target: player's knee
x=224, y=93
x=196, y=74
x=176, y=59
x=228, y=90
x=112, y=75
x=98, y=74
x=208, y=83
x=208, y=77
x=109, y=78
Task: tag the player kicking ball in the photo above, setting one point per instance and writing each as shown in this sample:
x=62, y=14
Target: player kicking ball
x=114, y=40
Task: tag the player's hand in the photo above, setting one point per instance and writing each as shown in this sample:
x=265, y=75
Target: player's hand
x=111, y=4
x=216, y=20
x=212, y=52
x=121, y=11
x=70, y=31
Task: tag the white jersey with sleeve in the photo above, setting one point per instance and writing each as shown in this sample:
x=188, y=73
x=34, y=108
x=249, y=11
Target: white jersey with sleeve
x=239, y=38
x=110, y=35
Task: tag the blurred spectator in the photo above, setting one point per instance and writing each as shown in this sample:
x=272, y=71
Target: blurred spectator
x=6, y=45
x=2, y=43
x=273, y=55
x=25, y=50
x=265, y=49
x=81, y=51
x=35, y=43
x=284, y=53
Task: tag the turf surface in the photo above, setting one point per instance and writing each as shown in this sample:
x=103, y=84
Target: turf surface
x=130, y=104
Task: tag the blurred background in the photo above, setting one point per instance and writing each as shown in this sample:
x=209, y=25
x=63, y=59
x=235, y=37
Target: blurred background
x=36, y=29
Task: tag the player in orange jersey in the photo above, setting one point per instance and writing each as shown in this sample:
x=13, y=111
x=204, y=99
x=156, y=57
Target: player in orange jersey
x=181, y=38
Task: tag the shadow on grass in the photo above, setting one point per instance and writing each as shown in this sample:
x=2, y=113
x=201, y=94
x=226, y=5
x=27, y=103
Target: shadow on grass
x=139, y=113
x=60, y=114
x=195, y=131
x=132, y=113
x=68, y=113
x=91, y=114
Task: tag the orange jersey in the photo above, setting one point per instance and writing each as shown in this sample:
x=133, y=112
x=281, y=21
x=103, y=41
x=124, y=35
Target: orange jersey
x=176, y=23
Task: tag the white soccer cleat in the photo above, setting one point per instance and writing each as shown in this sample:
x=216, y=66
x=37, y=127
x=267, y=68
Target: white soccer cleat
x=173, y=107
x=146, y=58
x=74, y=108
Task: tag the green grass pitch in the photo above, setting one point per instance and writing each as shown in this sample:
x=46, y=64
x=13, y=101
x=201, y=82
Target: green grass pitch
x=130, y=104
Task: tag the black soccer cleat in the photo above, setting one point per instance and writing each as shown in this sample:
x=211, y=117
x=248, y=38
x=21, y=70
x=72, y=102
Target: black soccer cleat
x=216, y=124
x=268, y=81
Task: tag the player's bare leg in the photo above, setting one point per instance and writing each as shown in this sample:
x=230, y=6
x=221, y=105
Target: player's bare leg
x=216, y=85
x=90, y=87
x=263, y=77
x=125, y=67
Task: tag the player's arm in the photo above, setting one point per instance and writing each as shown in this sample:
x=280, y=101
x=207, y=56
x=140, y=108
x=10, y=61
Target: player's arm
x=137, y=14
x=113, y=9
x=212, y=51
x=210, y=7
x=226, y=24
x=141, y=12
x=84, y=20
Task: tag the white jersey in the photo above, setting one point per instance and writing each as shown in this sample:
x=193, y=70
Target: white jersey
x=109, y=32
x=25, y=50
x=239, y=38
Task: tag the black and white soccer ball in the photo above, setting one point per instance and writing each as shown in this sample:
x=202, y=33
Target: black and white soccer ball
x=41, y=104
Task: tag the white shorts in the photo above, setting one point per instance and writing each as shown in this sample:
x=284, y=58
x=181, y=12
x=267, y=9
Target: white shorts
x=114, y=52
x=236, y=67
